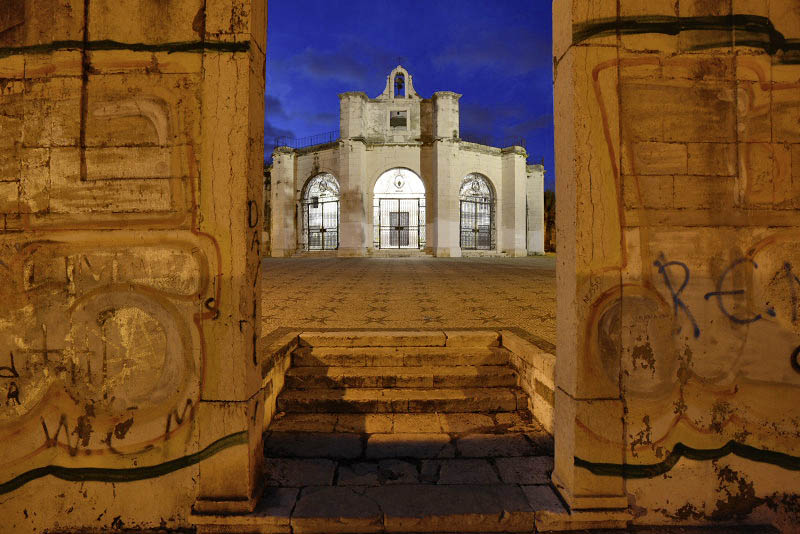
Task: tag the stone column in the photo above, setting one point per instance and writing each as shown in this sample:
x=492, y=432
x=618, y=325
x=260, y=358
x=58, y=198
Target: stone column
x=231, y=163
x=588, y=405
x=443, y=199
x=512, y=226
x=131, y=157
x=355, y=216
x=284, y=218
x=534, y=192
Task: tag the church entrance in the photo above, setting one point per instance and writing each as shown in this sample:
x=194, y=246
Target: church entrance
x=399, y=210
x=477, y=213
x=321, y=213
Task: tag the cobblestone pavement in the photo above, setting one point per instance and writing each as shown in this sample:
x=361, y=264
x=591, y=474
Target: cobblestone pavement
x=418, y=293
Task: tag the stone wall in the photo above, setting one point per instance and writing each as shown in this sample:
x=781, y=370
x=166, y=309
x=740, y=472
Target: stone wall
x=678, y=160
x=130, y=194
x=442, y=167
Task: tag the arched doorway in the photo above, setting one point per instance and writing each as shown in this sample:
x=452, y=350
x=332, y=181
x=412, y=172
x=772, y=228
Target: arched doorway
x=321, y=213
x=477, y=213
x=399, y=210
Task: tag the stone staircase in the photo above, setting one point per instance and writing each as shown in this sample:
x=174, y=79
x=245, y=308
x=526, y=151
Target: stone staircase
x=408, y=433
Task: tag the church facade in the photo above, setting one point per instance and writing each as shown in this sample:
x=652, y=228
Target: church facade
x=399, y=178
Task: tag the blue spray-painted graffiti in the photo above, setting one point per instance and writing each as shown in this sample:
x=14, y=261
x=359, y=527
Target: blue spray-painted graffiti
x=719, y=293
x=677, y=303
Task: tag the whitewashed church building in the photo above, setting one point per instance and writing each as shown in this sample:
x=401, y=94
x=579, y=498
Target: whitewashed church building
x=399, y=178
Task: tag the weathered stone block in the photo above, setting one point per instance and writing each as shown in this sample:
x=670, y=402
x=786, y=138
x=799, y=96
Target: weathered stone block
x=589, y=430
x=31, y=22
x=648, y=192
x=9, y=197
x=43, y=66
x=700, y=67
x=35, y=180
x=457, y=508
x=569, y=14
x=703, y=192
x=271, y=515
x=170, y=23
x=230, y=481
x=714, y=159
x=52, y=113
x=466, y=471
x=525, y=470
x=785, y=114
x=635, y=9
x=469, y=338
x=335, y=509
x=699, y=112
x=141, y=109
x=296, y=473
x=417, y=445
x=657, y=159
x=10, y=165
x=754, y=187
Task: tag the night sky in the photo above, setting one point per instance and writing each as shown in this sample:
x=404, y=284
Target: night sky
x=496, y=53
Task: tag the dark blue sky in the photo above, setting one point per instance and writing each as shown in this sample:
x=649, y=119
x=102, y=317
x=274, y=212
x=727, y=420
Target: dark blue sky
x=497, y=53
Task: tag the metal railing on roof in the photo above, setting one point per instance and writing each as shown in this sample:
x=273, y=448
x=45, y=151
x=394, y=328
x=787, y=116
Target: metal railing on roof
x=303, y=142
x=488, y=140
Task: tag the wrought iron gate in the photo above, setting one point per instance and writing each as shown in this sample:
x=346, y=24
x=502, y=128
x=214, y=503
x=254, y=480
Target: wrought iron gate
x=477, y=225
x=399, y=223
x=322, y=225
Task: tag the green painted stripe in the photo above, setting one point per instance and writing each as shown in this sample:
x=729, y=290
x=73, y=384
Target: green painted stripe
x=104, y=474
x=757, y=31
x=187, y=46
x=783, y=460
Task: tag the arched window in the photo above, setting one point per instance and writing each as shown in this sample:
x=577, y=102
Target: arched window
x=477, y=213
x=400, y=85
x=321, y=213
x=398, y=202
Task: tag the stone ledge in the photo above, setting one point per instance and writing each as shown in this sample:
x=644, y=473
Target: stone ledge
x=408, y=338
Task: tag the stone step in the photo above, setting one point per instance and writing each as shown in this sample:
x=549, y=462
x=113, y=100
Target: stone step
x=352, y=446
x=398, y=356
x=400, y=508
x=420, y=423
x=400, y=400
x=402, y=377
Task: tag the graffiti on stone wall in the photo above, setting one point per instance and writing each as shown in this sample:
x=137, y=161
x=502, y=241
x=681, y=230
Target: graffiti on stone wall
x=103, y=345
x=702, y=335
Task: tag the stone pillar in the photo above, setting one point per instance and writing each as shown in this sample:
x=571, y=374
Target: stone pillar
x=351, y=114
x=231, y=169
x=131, y=160
x=355, y=217
x=444, y=200
x=443, y=196
x=512, y=226
x=534, y=193
x=588, y=405
x=678, y=239
x=446, y=114
x=284, y=216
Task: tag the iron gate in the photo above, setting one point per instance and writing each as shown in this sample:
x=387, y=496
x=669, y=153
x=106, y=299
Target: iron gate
x=399, y=225
x=322, y=225
x=477, y=225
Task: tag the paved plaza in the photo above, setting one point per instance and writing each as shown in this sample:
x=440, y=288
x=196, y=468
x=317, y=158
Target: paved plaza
x=414, y=293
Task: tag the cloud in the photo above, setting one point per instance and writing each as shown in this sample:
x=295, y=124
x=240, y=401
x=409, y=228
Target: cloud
x=478, y=116
x=273, y=108
x=271, y=132
x=527, y=126
x=348, y=61
x=517, y=51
